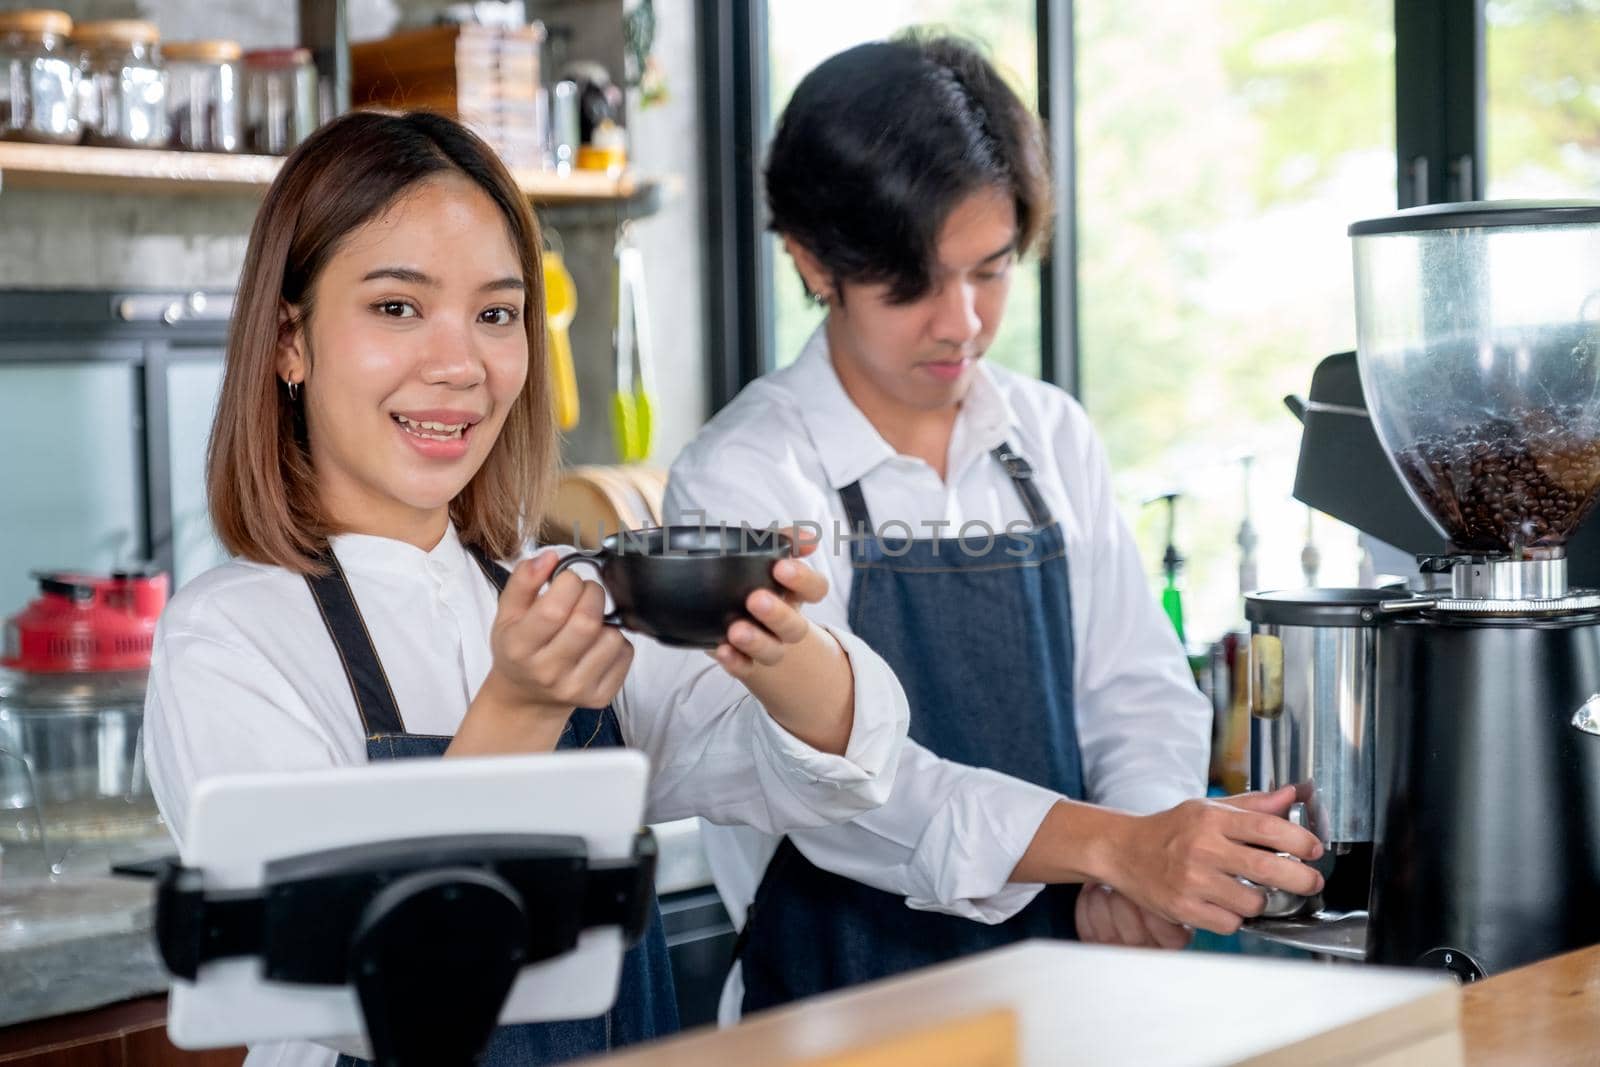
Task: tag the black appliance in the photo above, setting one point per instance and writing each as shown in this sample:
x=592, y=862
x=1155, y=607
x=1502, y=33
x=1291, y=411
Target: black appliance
x=1467, y=430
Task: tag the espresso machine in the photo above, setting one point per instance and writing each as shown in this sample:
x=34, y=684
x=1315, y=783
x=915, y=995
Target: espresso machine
x=1444, y=736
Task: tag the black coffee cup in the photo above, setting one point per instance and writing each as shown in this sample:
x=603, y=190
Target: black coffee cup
x=684, y=585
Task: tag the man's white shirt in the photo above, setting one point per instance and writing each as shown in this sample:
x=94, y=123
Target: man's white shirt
x=950, y=835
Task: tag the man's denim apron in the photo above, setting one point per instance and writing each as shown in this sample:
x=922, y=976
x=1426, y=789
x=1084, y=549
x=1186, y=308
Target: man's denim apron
x=980, y=635
x=646, y=1005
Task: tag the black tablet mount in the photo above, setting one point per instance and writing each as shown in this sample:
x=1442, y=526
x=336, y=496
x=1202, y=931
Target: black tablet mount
x=430, y=931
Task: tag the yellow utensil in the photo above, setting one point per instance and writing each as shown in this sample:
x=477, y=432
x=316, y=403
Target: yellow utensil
x=560, y=307
x=631, y=404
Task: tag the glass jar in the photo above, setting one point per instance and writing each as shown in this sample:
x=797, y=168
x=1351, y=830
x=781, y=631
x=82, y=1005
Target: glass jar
x=123, y=101
x=73, y=792
x=280, y=99
x=38, y=78
x=73, y=670
x=205, y=95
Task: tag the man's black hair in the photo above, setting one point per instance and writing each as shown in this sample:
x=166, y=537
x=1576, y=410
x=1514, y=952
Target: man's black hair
x=880, y=143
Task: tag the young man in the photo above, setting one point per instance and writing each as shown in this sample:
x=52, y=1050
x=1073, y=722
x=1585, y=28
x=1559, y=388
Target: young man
x=971, y=538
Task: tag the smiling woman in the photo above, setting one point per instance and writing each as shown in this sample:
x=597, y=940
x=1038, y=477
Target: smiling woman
x=383, y=442
x=360, y=289
x=430, y=366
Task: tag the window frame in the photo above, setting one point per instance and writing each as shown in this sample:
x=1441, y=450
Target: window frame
x=1440, y=111
x=60, y=328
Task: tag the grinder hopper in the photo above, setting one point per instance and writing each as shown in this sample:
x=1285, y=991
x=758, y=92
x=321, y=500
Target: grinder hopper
x=1479, y=351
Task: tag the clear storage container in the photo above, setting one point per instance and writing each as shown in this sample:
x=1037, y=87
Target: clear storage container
x=73, y=669
x=123, y=101
x=205, y=95
x=280, y=99
x=38, y=78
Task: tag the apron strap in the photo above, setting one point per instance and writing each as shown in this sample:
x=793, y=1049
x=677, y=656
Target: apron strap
x=1022, y=477
x=498, y=576
x=369, y=684
x=855, y=511
x=1021, y=474
x=782, y=859
x=380, y=713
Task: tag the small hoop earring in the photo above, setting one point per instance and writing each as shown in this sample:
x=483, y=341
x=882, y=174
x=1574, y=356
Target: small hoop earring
x=294, y=391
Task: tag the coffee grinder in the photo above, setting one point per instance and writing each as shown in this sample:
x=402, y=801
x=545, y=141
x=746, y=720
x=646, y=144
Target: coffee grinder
x=1455, y=726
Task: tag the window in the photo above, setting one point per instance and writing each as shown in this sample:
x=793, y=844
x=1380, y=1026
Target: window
x=1543, y=98
x=75, y=504
x=803, y=33
x=1222, y=149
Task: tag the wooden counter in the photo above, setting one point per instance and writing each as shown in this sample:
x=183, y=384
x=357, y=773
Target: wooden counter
x=1084, y=1005
x=976, y=1014
x=1546, y=1014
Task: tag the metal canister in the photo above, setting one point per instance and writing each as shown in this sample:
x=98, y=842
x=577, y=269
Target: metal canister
x=1313, y=660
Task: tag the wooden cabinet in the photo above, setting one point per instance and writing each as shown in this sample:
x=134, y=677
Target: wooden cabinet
x=130, y=1034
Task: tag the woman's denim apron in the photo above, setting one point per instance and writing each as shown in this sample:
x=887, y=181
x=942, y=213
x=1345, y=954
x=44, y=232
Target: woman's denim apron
x=646, y=1005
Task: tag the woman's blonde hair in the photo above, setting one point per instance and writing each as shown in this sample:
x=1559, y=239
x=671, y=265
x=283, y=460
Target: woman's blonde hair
x=263, y=495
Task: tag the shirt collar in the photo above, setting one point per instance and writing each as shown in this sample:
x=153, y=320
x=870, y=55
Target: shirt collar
x=368, y=552
x=847, y=443
x=987, y=417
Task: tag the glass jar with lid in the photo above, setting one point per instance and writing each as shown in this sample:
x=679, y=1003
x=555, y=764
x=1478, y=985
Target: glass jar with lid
x=123, y=101
x=74, y=666
x=205, y=95
x=38, y=78
x=280, y=99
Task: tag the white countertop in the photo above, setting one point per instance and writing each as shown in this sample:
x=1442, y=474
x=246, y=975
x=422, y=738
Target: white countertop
x=682, y=862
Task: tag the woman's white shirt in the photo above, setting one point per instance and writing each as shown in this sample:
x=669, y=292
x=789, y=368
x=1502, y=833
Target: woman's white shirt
x=245, y=678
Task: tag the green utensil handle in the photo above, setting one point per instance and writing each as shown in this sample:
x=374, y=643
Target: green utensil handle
x=642, y=423
x=625, y=426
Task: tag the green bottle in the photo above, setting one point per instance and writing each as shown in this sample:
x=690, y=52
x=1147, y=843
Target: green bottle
x=1171, y=564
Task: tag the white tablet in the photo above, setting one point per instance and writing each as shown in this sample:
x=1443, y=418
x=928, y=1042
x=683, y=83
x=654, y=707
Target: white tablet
x=237, y=825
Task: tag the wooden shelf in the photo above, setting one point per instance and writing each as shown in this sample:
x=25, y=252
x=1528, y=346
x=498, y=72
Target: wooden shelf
x=84, y=168
x=582, y=186
x=81, y=168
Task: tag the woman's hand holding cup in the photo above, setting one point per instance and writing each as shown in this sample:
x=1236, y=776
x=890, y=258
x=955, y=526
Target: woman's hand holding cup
x=797, y=669
x=775, y=621
x=553, y=648
x=552, y=652
x=559, y=649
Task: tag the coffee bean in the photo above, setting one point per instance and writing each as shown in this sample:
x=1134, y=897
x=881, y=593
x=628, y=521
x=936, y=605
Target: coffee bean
x=1522, y=482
